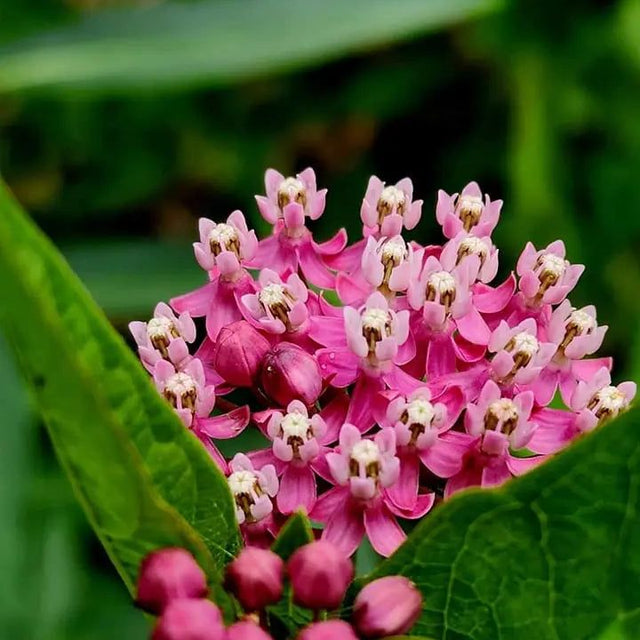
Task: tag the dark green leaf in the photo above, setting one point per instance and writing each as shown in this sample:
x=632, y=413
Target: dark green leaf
x=295, y=533
x=142, y=478
x=217, y=42
x=553, y=554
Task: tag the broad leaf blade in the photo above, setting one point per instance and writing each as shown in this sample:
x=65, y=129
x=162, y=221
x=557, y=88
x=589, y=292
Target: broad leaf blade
x=217, y=42
x=553, y=554
x=142, y=478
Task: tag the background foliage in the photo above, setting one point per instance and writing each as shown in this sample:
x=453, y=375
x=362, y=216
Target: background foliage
x=535, y=100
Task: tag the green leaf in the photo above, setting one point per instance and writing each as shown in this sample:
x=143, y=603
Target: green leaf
x=553, y=554
x=295, y=533
x=217, y=42
x=142, y=478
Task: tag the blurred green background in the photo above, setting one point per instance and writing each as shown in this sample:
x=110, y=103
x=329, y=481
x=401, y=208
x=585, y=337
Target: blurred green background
x=122, y=122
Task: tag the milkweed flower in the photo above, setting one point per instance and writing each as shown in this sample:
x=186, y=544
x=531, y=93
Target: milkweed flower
x=467, y=212
x=164, y=337
x=289, y=201
x=382, y=376
x=223, y=251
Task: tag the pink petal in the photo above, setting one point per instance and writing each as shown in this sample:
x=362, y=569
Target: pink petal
x=352, y=290
x=196, y=302
x=382, y=529
x=473, y=328
x=404, y=492
x=446, y=455
x=313, y=267
x=341, y=365
x=328, y=502
x=297, y=490
x=360, y=411
x=487, y=299
x=441, y=357
x=226, y=425
x=495, y=475
x=345, y=528
x=333, y=246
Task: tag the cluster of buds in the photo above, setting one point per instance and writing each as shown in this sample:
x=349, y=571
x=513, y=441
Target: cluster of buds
x=428, y=379
x=172, y=586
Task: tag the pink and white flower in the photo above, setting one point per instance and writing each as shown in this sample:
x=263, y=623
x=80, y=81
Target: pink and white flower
x=577, y=334
x=164, y=337
x=279, y=306
x=223, y=251
x=363, y=470
x=519, y=356
x=299, y=446
x=253, y=491
x=467, y=212
x=193, y=401
x=387, y=209
x=546, y=277
x=479, y=255
x=498, y=424
x=288, y=203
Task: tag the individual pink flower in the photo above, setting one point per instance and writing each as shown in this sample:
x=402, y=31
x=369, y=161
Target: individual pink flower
x=385, y=267
x=519, y=356
x=253, y=490
x=546, y=277
x=597, y=400
x=193, y=401
x=387, y=209
x=444, y=297
x=577, y=334
x=282, y=192
x=224, y=249
x=363, y=470
x=593, y=402
x=291, y=246
x=498, y=424
x=467, y=212
x=366, y=347
x=478, y=254
x=299, y=447
x=164, y=337
x=278, y=306
x=422, y=428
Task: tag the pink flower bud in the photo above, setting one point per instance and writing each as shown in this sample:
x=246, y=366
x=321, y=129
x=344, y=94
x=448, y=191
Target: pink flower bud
x=238, y=353
x=247, y=630
x=329, y=630
x=190, y=620
x=255, y=578
x=290, y=373
x=387, y=607
x=167, y=575
x=320, y=574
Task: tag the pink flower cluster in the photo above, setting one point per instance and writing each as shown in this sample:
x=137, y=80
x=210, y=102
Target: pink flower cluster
x=427, y=379
x=172, y=586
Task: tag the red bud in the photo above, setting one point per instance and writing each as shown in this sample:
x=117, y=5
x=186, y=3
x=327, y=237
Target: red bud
x=190, y=620
x=238, y=353
x=329, y=630
x=290, y=373
x=246, y=630
x=255, y=578
x=320, y=574
x=167, y=575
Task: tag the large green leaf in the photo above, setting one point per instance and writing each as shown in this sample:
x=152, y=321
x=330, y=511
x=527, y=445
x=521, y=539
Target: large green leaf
x=142, y=478
x=217, y=42
x=553, y=555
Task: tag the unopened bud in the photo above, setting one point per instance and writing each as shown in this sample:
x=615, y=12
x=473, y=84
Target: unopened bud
x=247, y=630
x=290, y=373
x=320, y=574
x=387, y=607
x=238, y=353
x=329, y=630
x=190, y=620
x=255, y=578
x=167, y=575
